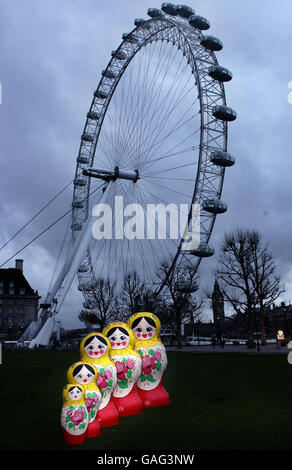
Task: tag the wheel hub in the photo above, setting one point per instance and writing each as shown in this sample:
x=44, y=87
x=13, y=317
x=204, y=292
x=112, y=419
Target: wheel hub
x=112, y=175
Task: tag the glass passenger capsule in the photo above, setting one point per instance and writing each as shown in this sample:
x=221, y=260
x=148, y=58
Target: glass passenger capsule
x=169, y=8
x=211, y=43
x=86, y=287
x=203, y=251
x=184, y=11
x=83, y=268
x=77, y=205
x=214, y=206
x=186, y=286
x=224, y=113
x=108, y=73
x=83, y=160
x=140, y=22
x=93, y=115
x=220, y=73
x=221, y=158
x=129, y=37
x=154, y=12
x=119, y=55
x=80, y=182
x=77, y=227
x=100, y=94
x=199, y=22
x=87, y=137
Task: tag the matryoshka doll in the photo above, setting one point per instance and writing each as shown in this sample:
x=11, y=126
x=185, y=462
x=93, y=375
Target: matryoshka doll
x=74, y=416
x=146, y=327
x=95, y=349
x=82, y=373
x=128, y=364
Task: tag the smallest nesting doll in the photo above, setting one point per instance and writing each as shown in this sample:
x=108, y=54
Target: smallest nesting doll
x=82, y=373
x=74, y=416
x=128, y=364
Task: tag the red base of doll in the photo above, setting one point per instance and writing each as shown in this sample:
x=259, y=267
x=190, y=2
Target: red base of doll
x=108, y=416
x=129, y=405
x=93, y=428
x=156, y=397
x=71, y=440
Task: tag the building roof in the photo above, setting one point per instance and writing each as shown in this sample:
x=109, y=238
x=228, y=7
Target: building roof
x=17, y=276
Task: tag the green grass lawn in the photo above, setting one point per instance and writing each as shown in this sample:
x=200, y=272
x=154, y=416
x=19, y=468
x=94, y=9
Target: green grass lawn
x=219, y=402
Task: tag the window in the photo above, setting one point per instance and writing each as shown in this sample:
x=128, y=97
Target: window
x=21, y=291
x=11, y=288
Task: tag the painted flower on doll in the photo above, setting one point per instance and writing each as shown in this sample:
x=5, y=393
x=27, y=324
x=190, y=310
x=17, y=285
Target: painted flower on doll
x=148, y=363
x=101, y=381
x=108, y=374
x=130, y=364
x=121, y=370
x=78, y=417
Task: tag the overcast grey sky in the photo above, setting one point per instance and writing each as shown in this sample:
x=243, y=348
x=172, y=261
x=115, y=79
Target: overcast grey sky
x=52, y=54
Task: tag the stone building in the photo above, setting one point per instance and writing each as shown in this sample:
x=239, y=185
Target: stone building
x=19, y=303
x=279, y=318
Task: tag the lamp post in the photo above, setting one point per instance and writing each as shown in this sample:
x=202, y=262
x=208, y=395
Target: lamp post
x=255, y=319
x=285, y=319
x=256, y=322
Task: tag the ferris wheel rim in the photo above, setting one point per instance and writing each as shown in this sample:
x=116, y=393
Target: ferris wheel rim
x=184, y=29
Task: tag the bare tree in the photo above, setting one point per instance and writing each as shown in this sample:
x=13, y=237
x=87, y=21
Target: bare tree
x=267, y=285
x=177, y=301
x=247, y=272
x=149, y=301
x=132, y=292
x=105, y=302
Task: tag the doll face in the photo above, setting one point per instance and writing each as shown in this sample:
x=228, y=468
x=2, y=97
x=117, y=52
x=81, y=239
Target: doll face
x=119, y=340
x=84, y=376
x=95, y=348
x=75, y=393
x=144, y=330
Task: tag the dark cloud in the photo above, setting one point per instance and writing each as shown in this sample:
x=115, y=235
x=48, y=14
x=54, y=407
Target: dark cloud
x=52, y=55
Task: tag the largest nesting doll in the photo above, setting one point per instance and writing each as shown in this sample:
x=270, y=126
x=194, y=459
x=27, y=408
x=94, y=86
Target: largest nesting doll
x=128, y=364
x=95, y=349
x=146, y=327
x=83, y=373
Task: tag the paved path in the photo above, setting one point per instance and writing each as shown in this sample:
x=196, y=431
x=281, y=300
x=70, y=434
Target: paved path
x=267, y=349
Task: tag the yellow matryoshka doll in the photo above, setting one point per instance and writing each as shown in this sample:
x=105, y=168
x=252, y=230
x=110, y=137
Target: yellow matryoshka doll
x=74, y=416
x=95, y=349
x=83, y=373
x=128, y=364
x=146, y=327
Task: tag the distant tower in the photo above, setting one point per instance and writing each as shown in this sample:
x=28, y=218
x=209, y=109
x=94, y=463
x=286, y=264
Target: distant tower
x=218, y=308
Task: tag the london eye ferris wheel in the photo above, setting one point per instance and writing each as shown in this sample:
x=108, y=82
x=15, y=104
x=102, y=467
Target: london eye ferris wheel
x=155, y=133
